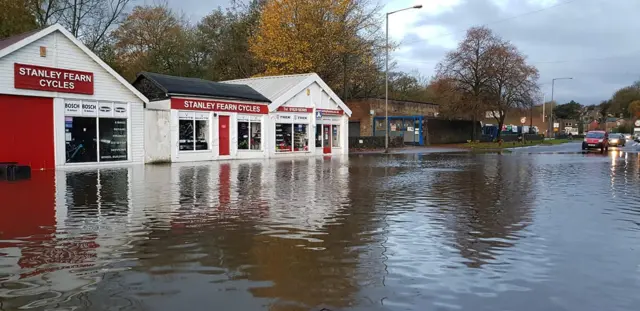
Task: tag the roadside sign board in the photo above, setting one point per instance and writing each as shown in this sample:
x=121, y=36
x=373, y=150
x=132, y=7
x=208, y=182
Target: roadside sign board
x=523, y=120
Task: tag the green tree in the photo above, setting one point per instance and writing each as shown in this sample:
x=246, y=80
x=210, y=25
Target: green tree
x=634, y=108
x=153, y=38
x=223, y=42
x=623, y=97
x=15, y=18
x=570, y=110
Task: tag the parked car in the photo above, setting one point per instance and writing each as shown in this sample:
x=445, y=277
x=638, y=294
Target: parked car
x=617, y=140
x=596, y=140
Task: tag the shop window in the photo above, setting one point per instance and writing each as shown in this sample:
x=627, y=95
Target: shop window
x=113, y=139
x=318, y=136
x=335, y=136
x=202, y=134
x=186, y=135
x=301, y=137
x=81, y=139
x=193, y=131
x=249, y=135
x=256, y=136
x=283, y=137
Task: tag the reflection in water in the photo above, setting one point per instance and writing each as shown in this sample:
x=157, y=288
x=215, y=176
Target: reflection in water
x=406, y=232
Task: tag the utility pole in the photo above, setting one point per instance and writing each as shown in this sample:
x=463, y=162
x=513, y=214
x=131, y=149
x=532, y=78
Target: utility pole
x=386, y=78
x=553, y=82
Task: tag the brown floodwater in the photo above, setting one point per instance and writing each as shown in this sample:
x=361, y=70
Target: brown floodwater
x=371, y=232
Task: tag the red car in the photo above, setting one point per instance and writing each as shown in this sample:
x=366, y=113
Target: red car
x=596, y=140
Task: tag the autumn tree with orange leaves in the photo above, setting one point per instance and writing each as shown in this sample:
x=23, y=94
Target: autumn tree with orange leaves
x=338, y=39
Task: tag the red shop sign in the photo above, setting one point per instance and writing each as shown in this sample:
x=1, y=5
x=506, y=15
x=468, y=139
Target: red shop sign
x=41, y=78
x=295, y=109
x=211, y=105
x=331, y=111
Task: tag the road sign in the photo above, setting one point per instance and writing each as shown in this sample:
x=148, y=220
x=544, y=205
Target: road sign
x=523, y=120
x=637, y=123
x=318, y=114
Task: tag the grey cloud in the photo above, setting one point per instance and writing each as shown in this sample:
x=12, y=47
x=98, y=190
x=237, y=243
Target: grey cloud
x=567, y=40
x=196, y=9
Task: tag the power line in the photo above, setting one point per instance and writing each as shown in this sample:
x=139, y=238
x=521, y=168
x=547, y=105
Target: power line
x=496, y=21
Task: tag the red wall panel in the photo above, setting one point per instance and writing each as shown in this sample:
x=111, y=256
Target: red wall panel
x=26, y=131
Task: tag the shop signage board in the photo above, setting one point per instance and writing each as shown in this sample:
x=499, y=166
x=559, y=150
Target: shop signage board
x=253, y=118
x=42, y=78
x=294, y=109
x=221, y=106
x=336, y=112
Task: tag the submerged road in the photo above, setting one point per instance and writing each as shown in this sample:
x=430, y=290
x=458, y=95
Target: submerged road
x=543, y=228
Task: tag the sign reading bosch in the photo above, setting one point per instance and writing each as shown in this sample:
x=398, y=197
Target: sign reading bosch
x=208, y=105
x=52, y=79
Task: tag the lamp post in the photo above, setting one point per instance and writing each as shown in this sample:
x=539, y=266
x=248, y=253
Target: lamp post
x=553, y=83
x=386, y=77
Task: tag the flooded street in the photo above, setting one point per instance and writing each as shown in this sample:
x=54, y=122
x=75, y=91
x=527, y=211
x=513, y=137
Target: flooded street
x=447, y=231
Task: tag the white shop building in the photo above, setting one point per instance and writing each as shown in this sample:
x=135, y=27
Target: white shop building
x=62, y=106
x=305, y=116
x=190, y=119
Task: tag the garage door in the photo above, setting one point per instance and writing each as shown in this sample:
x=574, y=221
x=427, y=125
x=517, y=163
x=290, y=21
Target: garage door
x=26, y=131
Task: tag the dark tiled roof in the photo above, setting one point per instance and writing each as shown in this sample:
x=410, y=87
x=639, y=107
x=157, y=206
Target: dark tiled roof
x=198, y=87
x=6, y=42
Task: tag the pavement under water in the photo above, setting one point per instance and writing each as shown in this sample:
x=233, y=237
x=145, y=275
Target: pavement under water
x=421, y=231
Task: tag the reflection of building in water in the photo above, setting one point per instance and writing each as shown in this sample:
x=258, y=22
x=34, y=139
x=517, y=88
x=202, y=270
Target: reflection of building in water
x=77, y=224
x=489, y=203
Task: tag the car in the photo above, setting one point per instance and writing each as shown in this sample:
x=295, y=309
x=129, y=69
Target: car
x=596, y=140
x=617, y=140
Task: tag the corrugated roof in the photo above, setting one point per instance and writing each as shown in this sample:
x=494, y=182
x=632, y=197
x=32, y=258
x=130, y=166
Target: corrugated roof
x=6, y=42
x=199, y=87
x=273, y=86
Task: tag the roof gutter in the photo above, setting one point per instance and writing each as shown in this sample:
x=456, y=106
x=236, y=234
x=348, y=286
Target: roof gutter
x=218, y=98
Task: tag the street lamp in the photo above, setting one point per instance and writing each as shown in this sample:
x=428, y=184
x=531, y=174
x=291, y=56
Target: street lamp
x=553, y=83
x=386, y=78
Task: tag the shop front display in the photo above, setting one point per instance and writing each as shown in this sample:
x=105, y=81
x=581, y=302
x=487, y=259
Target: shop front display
x=80, y=109
x=206, y=120
x=291, y=132
x=95, y=131
x=249, y=132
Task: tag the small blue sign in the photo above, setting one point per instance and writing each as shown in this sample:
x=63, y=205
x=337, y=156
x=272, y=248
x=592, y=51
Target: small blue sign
x=318, y=114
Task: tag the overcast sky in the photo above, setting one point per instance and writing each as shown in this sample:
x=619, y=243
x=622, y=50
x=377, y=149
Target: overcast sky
x=593, y=41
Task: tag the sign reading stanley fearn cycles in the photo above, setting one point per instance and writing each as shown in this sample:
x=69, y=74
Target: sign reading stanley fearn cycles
x=52, y=79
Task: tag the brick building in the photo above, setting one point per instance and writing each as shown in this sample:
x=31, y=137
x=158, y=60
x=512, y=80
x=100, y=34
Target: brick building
x=365, y=109
x=533, y=118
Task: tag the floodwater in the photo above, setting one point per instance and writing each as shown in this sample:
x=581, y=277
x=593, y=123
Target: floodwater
x=369, y=232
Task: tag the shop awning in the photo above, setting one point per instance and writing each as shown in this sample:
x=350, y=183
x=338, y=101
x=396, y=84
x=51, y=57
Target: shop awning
x=181, y=86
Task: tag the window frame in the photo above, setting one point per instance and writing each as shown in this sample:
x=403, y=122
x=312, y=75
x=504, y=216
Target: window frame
x=193, y=120
x=97, y=116
x=249, y=122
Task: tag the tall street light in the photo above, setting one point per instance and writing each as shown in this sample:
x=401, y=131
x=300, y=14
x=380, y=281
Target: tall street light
x=553, y=84
x=386, y=78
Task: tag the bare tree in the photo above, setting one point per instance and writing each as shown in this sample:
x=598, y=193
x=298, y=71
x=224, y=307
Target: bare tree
x=468, y=71
x=512, y=83
x=89, y=20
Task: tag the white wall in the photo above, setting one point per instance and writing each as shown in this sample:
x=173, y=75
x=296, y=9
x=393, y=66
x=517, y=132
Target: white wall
x=214, y=143
x=157, y=135
x=62, y=53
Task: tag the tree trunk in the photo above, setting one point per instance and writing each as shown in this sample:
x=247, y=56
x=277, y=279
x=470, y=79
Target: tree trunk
x=500, y=124
x=473, y=131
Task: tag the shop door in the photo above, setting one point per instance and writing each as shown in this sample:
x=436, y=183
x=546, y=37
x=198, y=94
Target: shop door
x=26, y=131
x=326, y=139
x=223, y=132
